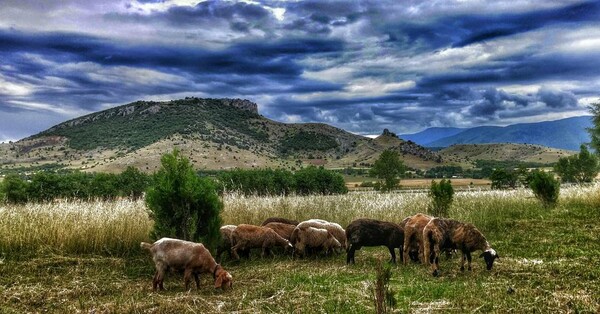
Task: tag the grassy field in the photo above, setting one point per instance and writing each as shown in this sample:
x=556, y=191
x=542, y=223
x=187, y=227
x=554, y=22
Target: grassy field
x=84, y=258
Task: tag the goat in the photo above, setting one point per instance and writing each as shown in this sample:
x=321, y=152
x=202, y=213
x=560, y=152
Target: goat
x=281, y=220
x=336, y=230
x=315, y=238
x=441, y=234
x=192, y=258
x=250, y=236
x=371, y=232
x=284, y=230
x=413, y=235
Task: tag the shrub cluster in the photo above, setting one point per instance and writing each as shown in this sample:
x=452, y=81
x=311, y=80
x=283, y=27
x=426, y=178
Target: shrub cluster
x=46, y=186
x=442, y=195
x=309, y=180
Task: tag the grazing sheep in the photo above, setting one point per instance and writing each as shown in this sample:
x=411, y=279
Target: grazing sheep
x=371, y=232
x=413, y=235
x=315, y=238
x=225, y=244
x=338, y=232
x=192, y=258
x=281, y=220
x=250, y=236
x=441, y=234
x=282, y=229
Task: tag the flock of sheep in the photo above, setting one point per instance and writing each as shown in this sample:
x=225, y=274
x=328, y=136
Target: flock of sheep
x=419, y=238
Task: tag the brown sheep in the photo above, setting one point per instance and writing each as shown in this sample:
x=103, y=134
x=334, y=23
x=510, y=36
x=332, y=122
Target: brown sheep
x=281, y=220
x=192, y=258
x=315, y=238
x=336, y=230
x=225, y=244
x=413, y=235
x=250, y=236
x=441, y=234
x=282, y=229
x=371, y=232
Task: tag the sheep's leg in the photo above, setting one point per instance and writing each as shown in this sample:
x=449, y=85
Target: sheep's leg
x=186, y=278
x=406, y=248
x=350, y=254
x=401, y=253
x=435, y=260
x=393, y=254
x=155, y=281
x=234, y=252
x=159, y=278
x=462, y=261
x=469, y=260
x=197, y=279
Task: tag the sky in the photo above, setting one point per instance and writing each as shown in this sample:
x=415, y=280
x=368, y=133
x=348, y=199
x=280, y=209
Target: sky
x=358, y=65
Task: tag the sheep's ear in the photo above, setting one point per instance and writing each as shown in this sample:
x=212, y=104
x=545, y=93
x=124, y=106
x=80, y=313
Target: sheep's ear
x=219, y=281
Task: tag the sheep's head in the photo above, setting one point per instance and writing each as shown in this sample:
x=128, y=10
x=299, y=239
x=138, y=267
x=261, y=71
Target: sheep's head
x=288, y=247
x=223, y=279
x=334, y=244
x=489, y=256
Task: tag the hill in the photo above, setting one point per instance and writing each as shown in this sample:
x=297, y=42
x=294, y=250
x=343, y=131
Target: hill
x=566, y=134
x=467, y=154
x=430, y=135
x=213, y=133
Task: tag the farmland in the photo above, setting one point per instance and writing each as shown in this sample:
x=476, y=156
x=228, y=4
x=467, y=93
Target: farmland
x=84, y=257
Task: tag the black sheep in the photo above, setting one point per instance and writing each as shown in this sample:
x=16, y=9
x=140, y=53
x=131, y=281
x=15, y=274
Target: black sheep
x=371, y=232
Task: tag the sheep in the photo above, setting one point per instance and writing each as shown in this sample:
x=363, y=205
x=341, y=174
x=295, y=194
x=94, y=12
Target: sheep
x=225, y=244
x=192, y=258
x=413, y=235
x=283, y=229
x=371, y=232
x=281, y=220
x=315, y=238
x=441, y=233
x=336, y=230
x=250, y=236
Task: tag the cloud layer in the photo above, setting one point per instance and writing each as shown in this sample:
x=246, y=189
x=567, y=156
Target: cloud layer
x=359, y=65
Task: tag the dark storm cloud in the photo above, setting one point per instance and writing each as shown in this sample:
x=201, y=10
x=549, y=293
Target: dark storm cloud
x=359, y=65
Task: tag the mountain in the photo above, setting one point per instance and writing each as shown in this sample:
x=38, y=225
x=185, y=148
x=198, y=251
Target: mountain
x=430, y=135
x=566, y=134
x=213, y=133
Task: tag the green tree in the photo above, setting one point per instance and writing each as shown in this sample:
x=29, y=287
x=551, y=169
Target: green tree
x=503, y=179
x=14, y=189
x=595, y=130
x=442, y=195
x=579, y=168
x=545, y=187
x=184, y=205
x=133, y=182
x=388, y=168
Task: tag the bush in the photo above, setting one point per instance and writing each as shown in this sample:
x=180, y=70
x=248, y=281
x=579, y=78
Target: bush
x=545, y=187
x=442, y=195
x=14, y=189
x=579, y=168
x=184, y=205
x=313, y=180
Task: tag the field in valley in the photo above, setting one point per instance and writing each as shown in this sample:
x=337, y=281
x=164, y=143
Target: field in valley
x=84, y=257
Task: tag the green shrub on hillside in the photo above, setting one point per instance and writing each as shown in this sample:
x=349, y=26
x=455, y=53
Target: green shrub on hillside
x=307, y=141
x=184, y=205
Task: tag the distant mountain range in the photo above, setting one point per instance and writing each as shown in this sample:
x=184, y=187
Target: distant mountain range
x=567, y=133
